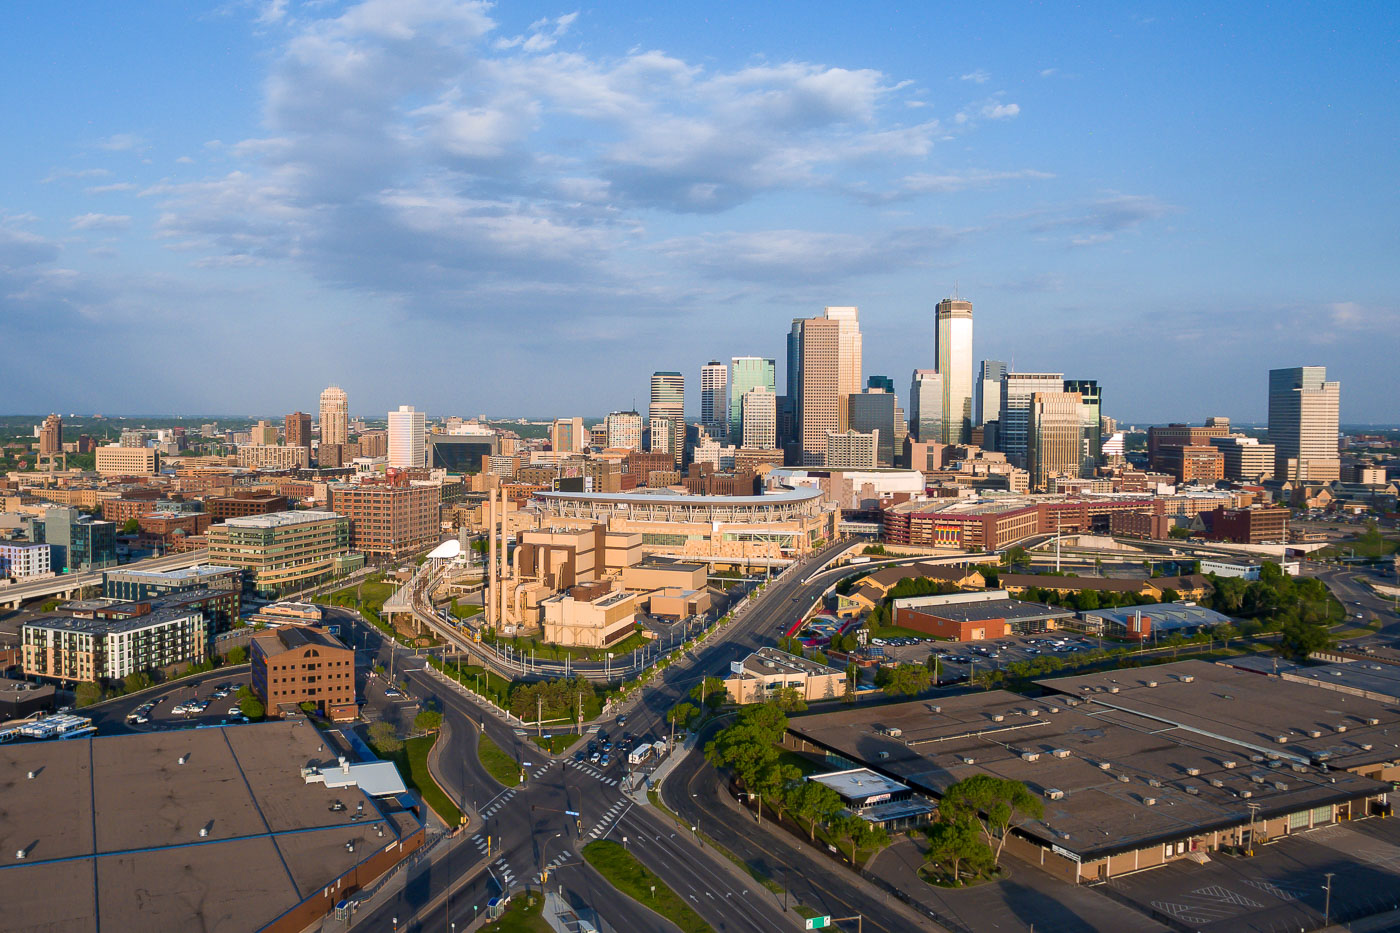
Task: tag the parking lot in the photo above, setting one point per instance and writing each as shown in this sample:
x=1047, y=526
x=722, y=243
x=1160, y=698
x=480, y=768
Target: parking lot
x=958, y=658
x=213, y=703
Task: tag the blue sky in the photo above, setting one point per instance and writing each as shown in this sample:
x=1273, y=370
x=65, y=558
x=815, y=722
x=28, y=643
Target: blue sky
x=525, y=208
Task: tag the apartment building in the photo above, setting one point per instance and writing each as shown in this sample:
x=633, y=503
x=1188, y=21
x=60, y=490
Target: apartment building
x=389, y=520
x=21, y=559
x=273, y=457
x=127, y=461
x=73, y=649
x=242, y=503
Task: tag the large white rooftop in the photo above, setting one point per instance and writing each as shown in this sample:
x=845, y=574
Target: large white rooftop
x=280, y=519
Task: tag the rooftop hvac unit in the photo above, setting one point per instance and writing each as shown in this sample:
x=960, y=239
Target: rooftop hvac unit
x=1152, y=683
x=1246, y=793
x=1366, y=746
x=1372, y=721
x=1061, y=753
x=1112, y=689
x=1153, y=782
x=1150, y=801
x=1216, y=782
x=884, y=755
x=203, y=831
x=1258, y=778
x=1280, y=785
x=968, y=760
x=1193, y=791
x=1053, y=709
x=1054, y=793
x=1123, y=778
x=1341, y=727
x=1188, y=678
x=998, y=718
x=1071, y=701
x=935, y=709
x=1229, y=764
x=1281, y=739
x=1256, y=757
x=182, y=758
x=1030, y=756
x=1105, y=765
x=1034, y=712
x=1314, y=733
x=1193, y=771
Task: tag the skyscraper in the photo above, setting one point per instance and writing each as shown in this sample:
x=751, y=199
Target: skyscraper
x=926, y=407
x=668, y=401
x=1090, y=428
x=335, y=416
x=407, y=438
x=747, y=372
x=830, y=367
x=883, y=383
x=954, y=351
x=51, y=436
x=988, y=402
x=1053, y=446
x=714, y=398
x=759, y=429
x=566, y=435
x=1304, y=409
x=1014, y=417
x=872, y=411
x=297, y=429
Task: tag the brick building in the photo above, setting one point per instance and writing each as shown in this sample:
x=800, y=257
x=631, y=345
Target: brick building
x=295, y=664
x=391, y=519
x=1247, y=526
x=243, y=503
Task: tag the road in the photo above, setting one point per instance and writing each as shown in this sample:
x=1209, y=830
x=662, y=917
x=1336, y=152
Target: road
x=12, y=596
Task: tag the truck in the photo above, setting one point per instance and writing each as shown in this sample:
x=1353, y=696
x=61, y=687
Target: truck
x=639, y=754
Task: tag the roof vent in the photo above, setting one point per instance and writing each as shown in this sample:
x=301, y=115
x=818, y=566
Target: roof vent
x=1071, y=701
x=884, y=755
x=1030, y=756
x=19, y=853
x=1193, y=771
x=1280, y=785
x=1246, y=793
x=1281, y=739
x=1193, y=791
x=1299, y=768
x=1256, y=757
x=1035, y=712
x=1123, y=778
x=1216, y=782
x=1053, y=709
x=1112, y=689
x=350, y=846
x=1061, y=753
x=1152, y=683
x=184, y=758
x=1188, y=678
x=1314, y=733
x=1153, y=782
x=1229, y=764
x=31, y=775
x=998, y=718
x=1258, y=778
x=1341, y=727
x=203, y=831
x=1372, y=721
x=1150, y=801
x=968, y=759
x=935, y=709
x=1054, y=793
x=1105, y=765
x=1366, y=746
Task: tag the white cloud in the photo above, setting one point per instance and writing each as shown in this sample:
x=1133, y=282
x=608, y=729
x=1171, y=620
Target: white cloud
x=112, y=188
x=122, y=142
x=805, y=256
x=100, y=222
x=977, y=77
x=951, y=182
x=999, y=111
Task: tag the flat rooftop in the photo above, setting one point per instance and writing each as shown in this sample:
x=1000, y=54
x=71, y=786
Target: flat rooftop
x=280, y=519
x=1369, y=678
x=105, y=626
x=859, y=783
x=1254, y=712
x=181, y=575
x=1012, y=610
x=766, y=662
x=1109, y=784
x=111, y=828
x=802, y=494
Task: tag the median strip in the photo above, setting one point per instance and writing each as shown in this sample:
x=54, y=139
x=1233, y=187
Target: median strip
x=632, y=878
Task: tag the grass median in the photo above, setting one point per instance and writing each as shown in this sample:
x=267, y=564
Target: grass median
x=412, y=762
x=524, y=915
x=632, y=878
x=497, y=763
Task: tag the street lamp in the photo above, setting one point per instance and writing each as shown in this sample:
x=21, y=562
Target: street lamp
x=1327, y=905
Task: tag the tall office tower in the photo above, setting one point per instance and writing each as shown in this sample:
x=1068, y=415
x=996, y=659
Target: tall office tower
x=407, y=438
x=1107, y=426
x=872, y=411
x=759, y=425
x=668, y=401
x=1090, y=431
x=954, y=350
x=747, y=372
x=661, y=435
x=335, y=416
x=566, y=435
x=624, y=429
x=1014, y=417
x=1054, y=444
x=297, y=427
x=51, y=436
x=830, y=366
x=988, y=401
x=926, y=406
x=1304, y=409
x=714, y=398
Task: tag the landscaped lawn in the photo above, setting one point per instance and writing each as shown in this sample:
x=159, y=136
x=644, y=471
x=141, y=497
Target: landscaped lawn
x=555, y=744
x=464, y=611
x=632, y=878
x=523, y=915
x=412, y=763
x=498, y=764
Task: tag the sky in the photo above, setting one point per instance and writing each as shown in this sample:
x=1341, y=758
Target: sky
x=525, y=209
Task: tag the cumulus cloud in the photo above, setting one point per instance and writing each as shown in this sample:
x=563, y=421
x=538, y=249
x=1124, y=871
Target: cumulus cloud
x=961, y=181
x=977, y=77
x=100, y=222
x=110, y=189
x=122, y=142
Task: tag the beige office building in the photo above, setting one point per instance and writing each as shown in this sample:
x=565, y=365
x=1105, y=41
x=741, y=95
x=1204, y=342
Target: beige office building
x=567, y=436
x=830, y=373
x=759, y=677
x=335, y=416
x=1304, y=409
x=127, y=461
x=1246, y=460
x=759, y=407
x=273, y=457
x=591, y=615
x=624, y=429
x=1052, y=445
x=851, y=450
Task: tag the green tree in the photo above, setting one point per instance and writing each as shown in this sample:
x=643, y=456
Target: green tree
x=710, y=691
x=252, y=707
x=1000, y=804
x=137, y=680
x=87, y=693
x=1225, y=632
x=237, y=655
x=131, y=526
x=384, y=740
x=903, y=680
x=1015, y=556
x=427, y=720
x=681, y=715
x=955, y=841
x=813, y=804
x=749, y=748
x=934, y=666
x=791, y=700
x=1298, y=639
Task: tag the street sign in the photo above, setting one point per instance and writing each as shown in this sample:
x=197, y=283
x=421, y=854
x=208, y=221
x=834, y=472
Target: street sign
x=817, y=923
x=573, y=813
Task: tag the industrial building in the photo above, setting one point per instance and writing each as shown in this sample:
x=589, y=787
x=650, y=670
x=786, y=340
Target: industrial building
x=249, y=828
x=976, y=615
x=760, y=676
x=1135, y=768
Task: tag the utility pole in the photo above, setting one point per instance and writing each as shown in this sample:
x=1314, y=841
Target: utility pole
x=1327, y=904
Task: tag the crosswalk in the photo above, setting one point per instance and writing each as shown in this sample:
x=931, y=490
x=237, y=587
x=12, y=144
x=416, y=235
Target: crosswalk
x=554, y=863
x=500, y=800
x=591, y=771
x=604, y=824
x=506, y=875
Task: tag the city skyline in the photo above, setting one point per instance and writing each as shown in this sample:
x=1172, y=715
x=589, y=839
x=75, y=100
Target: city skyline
x=188, y=191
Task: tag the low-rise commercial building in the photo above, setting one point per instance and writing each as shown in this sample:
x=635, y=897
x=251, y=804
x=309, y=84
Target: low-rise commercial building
x=975, y=616
x=589, y=616
x=295, y=664
x=281, y=551
x=1247, y=526
x=127, y=461
x=876, y=798
x=245, y=502
x=765, y=673
x=273, y=457
x=72, y=649
x=1246, y=569
x=1154, y=620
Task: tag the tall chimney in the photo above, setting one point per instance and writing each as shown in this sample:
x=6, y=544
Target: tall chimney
x=491, y=558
